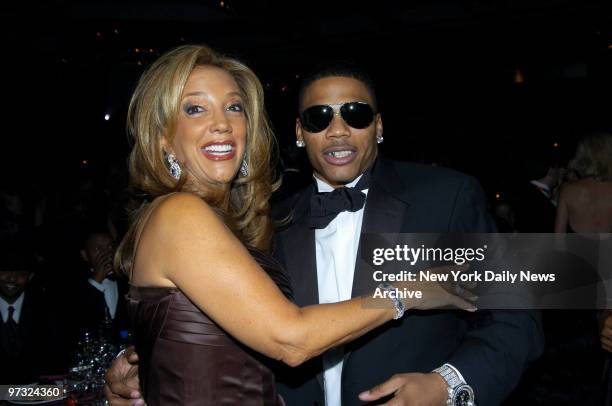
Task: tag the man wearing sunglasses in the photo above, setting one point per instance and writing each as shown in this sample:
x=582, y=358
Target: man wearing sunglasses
x=356, y=191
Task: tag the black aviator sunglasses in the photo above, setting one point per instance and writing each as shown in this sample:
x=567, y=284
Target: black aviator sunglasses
x=358, y=115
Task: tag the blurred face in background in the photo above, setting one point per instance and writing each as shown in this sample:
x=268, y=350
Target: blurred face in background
x=13, y=283
x=98, y=251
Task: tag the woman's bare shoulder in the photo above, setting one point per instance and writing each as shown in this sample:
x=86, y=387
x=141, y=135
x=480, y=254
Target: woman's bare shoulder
x=571, y=184
x=174, y=220
x=574, y=188
x=179, y=213
x=586, y=190
x=588, y=184
x=180, y=205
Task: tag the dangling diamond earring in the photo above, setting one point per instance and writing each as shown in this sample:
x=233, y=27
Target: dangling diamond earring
x=300, y=143
x=244, y=167
x=175, y=168
x=379, y=139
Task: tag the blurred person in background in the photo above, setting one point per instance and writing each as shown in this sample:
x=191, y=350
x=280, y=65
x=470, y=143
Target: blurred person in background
x=101, y=293
x=31, y=332
x=585, y=201
x=585, y=207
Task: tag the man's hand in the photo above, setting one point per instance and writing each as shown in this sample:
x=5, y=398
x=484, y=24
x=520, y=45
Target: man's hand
x=102, y=264
x=606, y=331
x=122, y=387
x=414, y=389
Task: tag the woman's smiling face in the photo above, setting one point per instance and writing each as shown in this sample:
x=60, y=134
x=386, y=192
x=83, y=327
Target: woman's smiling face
x=209, y=140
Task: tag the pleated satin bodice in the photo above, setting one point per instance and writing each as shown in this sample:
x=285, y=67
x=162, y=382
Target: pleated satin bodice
x=187, y=359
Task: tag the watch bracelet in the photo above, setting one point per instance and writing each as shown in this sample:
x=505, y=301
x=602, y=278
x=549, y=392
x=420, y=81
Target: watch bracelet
x=399, y=306
x=454, y=380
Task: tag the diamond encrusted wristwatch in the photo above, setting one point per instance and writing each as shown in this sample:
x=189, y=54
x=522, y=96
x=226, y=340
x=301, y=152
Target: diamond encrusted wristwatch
x=459, y=392
x=397, y=302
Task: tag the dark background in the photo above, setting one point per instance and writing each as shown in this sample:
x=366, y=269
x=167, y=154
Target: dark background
x=447, y=74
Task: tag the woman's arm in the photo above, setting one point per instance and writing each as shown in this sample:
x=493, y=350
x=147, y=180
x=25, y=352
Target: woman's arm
x=195, y=251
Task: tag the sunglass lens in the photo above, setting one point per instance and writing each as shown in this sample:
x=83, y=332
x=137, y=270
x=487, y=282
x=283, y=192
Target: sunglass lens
x=357, y=115
x=317, y=118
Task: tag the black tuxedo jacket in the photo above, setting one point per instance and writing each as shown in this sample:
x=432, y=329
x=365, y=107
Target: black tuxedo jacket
x=490, y=349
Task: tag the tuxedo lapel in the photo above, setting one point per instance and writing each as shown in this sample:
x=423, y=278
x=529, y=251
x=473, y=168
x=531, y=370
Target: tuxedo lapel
x=385, y=212
x=4, y=340
x=27, y=321
x=301, y=264
x=26, y=317
x=299, y=253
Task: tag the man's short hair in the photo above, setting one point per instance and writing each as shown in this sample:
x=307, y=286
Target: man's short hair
x=342, y=69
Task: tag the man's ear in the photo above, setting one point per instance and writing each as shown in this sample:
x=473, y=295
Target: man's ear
x=299, y=134
x=379, y=125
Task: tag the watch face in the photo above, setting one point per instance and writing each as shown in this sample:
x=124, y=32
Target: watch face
x=464, y=396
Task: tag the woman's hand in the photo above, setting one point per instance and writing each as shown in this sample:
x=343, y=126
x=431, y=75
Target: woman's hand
x=441, y=293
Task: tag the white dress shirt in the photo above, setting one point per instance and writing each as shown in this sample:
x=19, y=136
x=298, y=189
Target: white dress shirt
x=111, y=294
x=336, y=251
x=4, y=308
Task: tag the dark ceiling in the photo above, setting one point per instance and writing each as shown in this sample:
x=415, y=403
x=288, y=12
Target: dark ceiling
x=445, y=70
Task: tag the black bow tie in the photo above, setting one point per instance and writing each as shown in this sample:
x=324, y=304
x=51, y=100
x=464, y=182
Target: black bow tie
x=324, y=207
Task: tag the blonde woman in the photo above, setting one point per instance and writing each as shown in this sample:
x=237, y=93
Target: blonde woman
x=585, y=202
x=585, y=207
x=202, y=287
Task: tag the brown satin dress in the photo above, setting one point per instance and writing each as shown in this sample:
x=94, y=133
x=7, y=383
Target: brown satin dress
x=186, y=359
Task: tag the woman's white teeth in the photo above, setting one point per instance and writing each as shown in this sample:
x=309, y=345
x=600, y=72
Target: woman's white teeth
x=219, y=148
x=340, y=154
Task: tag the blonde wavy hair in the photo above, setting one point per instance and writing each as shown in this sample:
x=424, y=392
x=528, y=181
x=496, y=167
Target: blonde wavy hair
x=152, y=116
x=593, y=158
